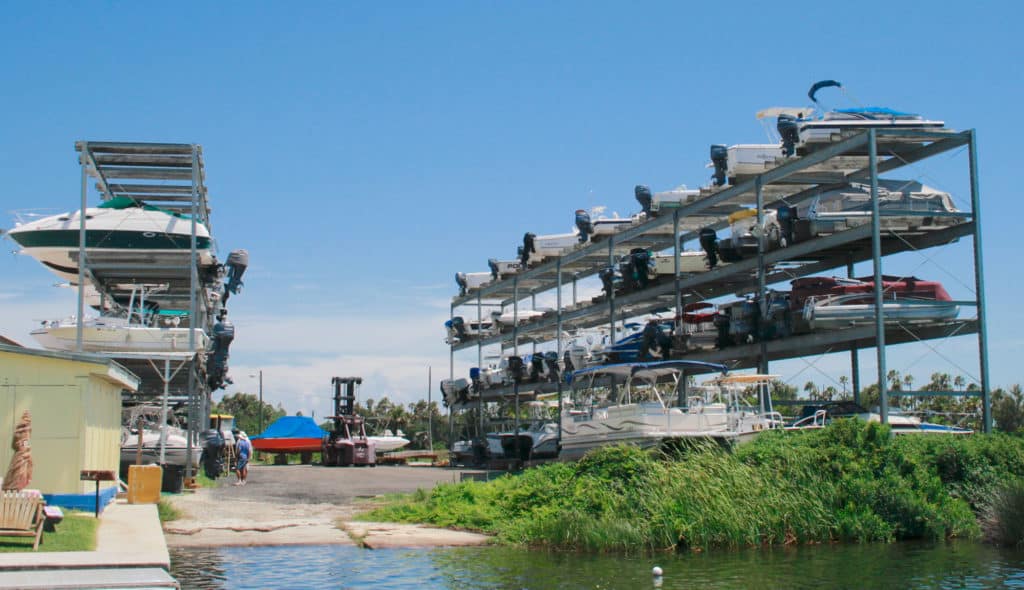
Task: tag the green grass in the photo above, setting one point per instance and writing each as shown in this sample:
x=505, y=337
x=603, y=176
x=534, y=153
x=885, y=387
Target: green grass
x=205, y=482
x=167, y=511
x=851, y=482
x=77, y=532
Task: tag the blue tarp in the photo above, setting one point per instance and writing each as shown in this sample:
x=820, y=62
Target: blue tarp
x=292, y=427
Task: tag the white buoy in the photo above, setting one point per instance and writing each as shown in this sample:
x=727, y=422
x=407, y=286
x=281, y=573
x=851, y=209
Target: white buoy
x=656, y=572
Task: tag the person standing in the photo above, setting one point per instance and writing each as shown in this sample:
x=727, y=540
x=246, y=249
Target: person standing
x=243, y=449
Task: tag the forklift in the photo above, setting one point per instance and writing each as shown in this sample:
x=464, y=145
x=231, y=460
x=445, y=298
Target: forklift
x=347, y=444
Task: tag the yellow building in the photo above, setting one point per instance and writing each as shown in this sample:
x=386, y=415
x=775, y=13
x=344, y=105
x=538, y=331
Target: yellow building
x=75, y=400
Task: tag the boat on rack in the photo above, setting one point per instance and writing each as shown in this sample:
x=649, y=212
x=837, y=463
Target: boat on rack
x=805, y=130
x=118, y=225
x=625, y=404
x=501, y=269
x=594, y=225
x=136, y=328
x=155, y=434
x=471, y=281
x=460, y=329
x=832, y=302
x=537, y=439
x=654, y=204
x=536, y=249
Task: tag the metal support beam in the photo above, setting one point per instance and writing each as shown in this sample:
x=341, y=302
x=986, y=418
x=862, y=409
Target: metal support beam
x=979, y=286
x=854, y=353
x=558, y=340
x=876, y=258
x=676, y=248
x=611, y=292
x=762, y=291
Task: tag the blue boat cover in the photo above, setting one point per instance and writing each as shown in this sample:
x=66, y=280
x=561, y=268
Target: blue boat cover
x=292, y=427
x=876, y=111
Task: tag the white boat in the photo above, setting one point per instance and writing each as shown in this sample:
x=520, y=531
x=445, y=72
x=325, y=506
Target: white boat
x=460, y=329
x=155, y=435
x=806, y=129
x=817, y=415
x=746, y=232
x=455, y=391
x=653, y=204
x=119, y=225
x=536, y=249
x=538, y=438
x=509, y=318
x=471, y=281
x=841, y=311
x=137, y=329
x=501, y=269
x=622, y=404
x=593, y=224
x=115, y=334
x=389, y=441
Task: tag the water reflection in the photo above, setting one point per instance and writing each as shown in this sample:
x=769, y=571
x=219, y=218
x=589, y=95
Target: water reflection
x=953, y=565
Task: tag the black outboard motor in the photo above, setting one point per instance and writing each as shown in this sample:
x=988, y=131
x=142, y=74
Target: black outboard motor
x=607, y=276
x=217, y=358
x=787, y=217
x=584, y=224
x=527, y=249
x=567, y=361
x=536, y=367
x=789, y=131
x=212, y=457
x=720, y=159
x=460, y=280
x=626, y=271
x=493, y=264
x=459, y=325
x=648, y=340
x=551, y=360
x=237, y=262
x=709, y=243
x=515, y=368
x=641, y=258
x=644, y=197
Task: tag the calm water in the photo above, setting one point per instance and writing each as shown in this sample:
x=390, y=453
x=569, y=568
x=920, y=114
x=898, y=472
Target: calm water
x=957, y=565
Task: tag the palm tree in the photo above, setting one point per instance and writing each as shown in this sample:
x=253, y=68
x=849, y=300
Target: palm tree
x=908, y=382
x=843, y=380
x=811, y=390
x=959, y=382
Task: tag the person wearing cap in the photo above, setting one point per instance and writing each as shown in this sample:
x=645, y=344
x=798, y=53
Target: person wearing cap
x=243, y=449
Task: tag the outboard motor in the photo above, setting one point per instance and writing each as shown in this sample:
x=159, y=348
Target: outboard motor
x=458, y=325
x=584, y=224
x=644, y=197
x=551, y=360
x=709, y=243
x=569, y=366
x=217, y=358
x=536, y=367
x=641, y=258
x=493, y=264
x=237, y=262
x=212, y=457
x=720, y=159
x=789, y=131
x=460, y=280
x=786, y=217
x=627, y=272
x=515, y=368
x=607, y=276
x=528, y=248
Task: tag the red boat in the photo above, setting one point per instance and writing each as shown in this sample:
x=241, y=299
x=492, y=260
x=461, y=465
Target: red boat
x=893, y=288
x=290, y=434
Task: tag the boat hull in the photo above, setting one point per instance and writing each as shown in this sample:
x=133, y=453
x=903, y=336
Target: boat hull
x=119, y=338
x=287, y=445
x=841, y=316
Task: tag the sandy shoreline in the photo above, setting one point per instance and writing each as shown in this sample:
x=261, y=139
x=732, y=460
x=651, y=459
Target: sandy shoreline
x=268, y=511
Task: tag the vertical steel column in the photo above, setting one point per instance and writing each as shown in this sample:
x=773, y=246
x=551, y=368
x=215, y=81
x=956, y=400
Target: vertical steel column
x=979, y=286
x=876, y=258
x=451, y=377
x=558, y=339
x=575, y=276
x=533, y=307
x=676, y=248
x=479, y=361
x=83, y=160
x=762, y=297
x=611, y=292
x=193, y=426
x=854, y=353
x=163, y=415
x=515, y=352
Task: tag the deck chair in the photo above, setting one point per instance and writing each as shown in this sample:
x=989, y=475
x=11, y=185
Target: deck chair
x=21, y=515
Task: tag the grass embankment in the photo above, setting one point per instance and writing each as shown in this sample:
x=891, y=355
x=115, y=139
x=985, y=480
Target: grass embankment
x=77, y=532
x=849, y=482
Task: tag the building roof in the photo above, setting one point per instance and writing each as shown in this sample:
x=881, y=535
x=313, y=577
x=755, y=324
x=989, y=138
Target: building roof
x=112, y=371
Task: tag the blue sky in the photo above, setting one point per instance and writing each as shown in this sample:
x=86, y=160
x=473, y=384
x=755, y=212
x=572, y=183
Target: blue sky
x=364, y=152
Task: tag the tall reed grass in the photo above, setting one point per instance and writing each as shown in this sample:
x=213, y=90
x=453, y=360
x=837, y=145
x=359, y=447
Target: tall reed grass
x=850, y=482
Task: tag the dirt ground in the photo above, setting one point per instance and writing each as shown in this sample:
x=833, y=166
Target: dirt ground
x=304, y=504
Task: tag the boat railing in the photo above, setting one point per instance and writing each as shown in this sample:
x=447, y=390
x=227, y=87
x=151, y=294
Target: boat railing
x=817, y=420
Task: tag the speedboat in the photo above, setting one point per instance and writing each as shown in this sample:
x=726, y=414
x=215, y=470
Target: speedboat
x=501, y=269
x=832, y=302
x=156, y=436
x=820, y=414
x=507, y=319
x=117, y=334
x=537, y=248
x=593, y=224
x=746, y=232
x=903, y=205
x=731, y=162
x=801, y=133
x=460, y=329
x=389, y=441
x=623, y=404
x=118, y=225
x=455, y=391
x=656, y=203
x=536, y=440
x=471, y=281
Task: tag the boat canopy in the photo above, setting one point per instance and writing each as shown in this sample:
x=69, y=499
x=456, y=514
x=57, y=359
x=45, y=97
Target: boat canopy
x=129, y=203
x=652, y=370
x=884, y=111
x=819, y=85
x=741, y=379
